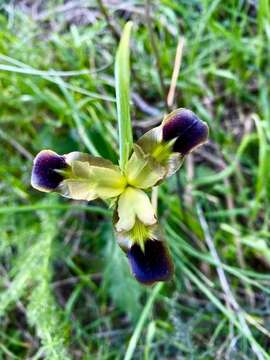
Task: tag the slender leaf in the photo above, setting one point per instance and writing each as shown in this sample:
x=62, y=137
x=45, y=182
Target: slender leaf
x=139, y=327
x=122, y=79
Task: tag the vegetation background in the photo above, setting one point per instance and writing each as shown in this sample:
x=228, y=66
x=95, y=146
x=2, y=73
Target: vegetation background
x=65, y=289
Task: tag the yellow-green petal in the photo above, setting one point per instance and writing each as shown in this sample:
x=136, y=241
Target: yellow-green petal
x=161, y=151
x=150, y=140
x=142, y=171
x=95, y=178
x=78, y=189
x=134, y=203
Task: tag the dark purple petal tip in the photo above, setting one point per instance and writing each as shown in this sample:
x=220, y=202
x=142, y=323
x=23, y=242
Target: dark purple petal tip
x=152, y=265
x=44, y=177
x=188, y=130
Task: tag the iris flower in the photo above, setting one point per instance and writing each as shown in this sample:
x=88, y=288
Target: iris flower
x=158, y=154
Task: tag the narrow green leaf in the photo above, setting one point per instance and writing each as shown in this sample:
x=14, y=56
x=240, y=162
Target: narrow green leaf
x=139, y=327
x=262, y=161
x=122, y=78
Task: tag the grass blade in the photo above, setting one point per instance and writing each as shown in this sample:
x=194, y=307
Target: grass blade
x=139, y=327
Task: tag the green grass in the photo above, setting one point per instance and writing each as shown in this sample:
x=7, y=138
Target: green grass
x=65, y=288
